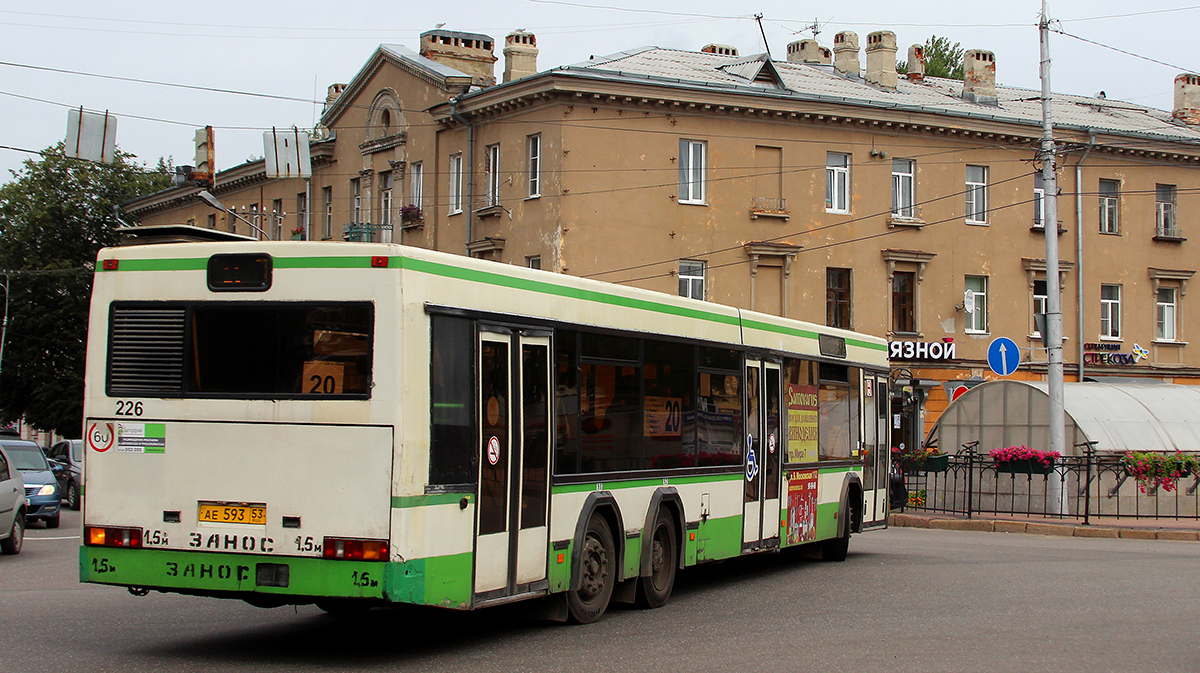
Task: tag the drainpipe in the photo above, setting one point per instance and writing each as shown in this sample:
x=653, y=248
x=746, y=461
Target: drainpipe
x=470, y=166
x=1079, y=246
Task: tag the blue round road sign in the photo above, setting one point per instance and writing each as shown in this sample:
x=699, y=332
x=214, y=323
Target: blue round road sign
x=1003, y=356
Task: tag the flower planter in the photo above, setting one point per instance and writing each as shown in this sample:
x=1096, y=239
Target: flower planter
x=1024, y=466
x=931, y=464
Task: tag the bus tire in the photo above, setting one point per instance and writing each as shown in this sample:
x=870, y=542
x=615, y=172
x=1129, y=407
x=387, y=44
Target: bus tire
x=655, y=589
x=597, y=570
x=837, y=548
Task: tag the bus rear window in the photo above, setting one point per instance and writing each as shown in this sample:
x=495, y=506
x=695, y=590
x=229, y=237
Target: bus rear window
x=241, y=349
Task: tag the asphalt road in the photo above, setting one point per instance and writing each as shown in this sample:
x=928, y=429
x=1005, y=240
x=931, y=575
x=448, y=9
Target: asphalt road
x=905, y=600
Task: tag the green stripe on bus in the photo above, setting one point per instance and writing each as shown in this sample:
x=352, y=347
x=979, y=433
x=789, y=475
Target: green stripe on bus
x=806, y=334
x=643, y=483
x=402, y=501
x=183, y=264
x=474, y=275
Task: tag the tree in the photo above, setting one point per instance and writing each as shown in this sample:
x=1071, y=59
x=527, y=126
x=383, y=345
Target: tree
x=942, y=59
x=55, y=215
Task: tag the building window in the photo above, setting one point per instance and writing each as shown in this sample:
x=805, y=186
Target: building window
x=356, y=200
x=904, y=289
x=301, y=212
x=385, y=206
x=1164, y=211
x=456, y=184
x=691, y=171
x=977, y=202
x=416, y=184
x=277, y=219
x=837, y=182
x=493, y=175
x=1165, y=314
x=837, y=298
x=212, y=221
x=903, y=193
x=534, y=261
x=1110, y=311
x=1040, y=302
x=1110, y=201
x=1039, y=201
x=256, y=230
x=691, y=279
x=535, y=166
x=976, y=318
x=327, y=199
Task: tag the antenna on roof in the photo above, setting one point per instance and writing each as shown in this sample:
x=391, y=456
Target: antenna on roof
x=815, y=28
x=758, y=18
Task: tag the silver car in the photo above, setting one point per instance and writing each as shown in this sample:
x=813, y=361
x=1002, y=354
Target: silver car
x=12, y=507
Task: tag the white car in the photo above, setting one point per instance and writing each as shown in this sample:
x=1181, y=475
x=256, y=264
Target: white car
x=12, y=507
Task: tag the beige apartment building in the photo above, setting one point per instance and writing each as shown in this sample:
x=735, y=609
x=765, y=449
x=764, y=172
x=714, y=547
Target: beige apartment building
x=811, y=187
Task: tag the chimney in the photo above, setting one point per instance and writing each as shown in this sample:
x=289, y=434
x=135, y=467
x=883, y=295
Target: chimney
x=808, y=51
x=845, y=52
x=979, y=76
x=520, y=55
x=916, y=63
x=1187, y=98
x=332, y=94
x=469, y=53
x=881, y=59
x=722, y=49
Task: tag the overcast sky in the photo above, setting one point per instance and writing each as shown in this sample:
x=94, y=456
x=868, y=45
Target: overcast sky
x=297, y=48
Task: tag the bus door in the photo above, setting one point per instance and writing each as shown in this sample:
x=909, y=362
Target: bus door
x=761, y=506
x=875, y=405
x=514, y=439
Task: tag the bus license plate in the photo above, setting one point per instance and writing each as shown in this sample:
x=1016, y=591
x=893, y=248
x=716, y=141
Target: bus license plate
x=220, y=512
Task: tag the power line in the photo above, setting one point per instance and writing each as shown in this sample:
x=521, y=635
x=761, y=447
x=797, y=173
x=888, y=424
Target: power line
x=1124, y=16
x=1060, y=31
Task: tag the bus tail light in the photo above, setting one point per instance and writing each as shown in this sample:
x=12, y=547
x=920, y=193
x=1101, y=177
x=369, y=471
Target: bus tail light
x=108, y=536
x=355, y=550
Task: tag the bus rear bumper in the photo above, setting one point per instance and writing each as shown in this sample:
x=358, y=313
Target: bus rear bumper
x=264, y=578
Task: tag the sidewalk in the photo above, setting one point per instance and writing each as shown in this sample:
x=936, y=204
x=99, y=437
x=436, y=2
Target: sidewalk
x=1141, y=529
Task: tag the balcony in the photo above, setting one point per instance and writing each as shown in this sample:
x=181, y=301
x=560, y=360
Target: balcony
x=766, y=206
x=1165, y=227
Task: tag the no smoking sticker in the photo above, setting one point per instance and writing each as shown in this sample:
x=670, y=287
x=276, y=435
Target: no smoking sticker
x=493, y=450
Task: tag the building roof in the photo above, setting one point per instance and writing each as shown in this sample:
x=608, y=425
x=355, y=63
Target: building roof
x=437, y=74
x=818, y=82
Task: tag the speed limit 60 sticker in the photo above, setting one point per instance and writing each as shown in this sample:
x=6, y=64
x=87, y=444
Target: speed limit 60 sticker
x=101, y=436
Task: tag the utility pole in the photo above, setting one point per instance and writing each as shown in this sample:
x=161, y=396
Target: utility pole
x=1054, y=322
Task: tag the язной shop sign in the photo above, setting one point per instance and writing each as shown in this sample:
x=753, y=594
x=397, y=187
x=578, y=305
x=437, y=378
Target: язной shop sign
x=921, y=350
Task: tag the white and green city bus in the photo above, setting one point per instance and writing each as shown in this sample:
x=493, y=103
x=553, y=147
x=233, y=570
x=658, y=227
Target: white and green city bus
x=362, y=424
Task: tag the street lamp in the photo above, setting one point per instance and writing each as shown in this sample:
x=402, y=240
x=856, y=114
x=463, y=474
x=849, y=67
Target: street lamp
x=207, y=197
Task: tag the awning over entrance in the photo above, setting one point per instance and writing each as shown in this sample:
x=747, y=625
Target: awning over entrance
x=1118, y=416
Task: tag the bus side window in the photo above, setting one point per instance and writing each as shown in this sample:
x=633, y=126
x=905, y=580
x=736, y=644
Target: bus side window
x=452, y=439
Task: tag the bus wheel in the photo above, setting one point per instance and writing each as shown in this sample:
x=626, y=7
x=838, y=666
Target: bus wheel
x=597, y=573
x=837, y=548
x=654, y=590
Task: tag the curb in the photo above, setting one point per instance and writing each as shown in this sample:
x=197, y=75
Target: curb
x=1063, y=529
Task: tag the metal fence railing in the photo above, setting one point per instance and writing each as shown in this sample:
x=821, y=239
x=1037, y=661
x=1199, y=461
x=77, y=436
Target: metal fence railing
x=1083, y=487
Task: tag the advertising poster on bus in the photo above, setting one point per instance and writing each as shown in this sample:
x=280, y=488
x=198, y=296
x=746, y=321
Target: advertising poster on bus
x=802, y=506
x=802, y=423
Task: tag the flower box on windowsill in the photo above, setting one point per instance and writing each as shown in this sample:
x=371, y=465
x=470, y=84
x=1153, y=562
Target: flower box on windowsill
x=414, y=224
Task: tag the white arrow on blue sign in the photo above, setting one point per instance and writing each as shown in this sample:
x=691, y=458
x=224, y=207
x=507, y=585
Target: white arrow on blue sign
x=1003, y=356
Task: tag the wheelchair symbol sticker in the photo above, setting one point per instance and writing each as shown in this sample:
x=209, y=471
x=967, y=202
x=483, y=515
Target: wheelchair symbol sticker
x=751, y=459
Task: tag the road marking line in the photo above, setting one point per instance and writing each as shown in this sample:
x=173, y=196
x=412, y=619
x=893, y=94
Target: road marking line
x=73, y=537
